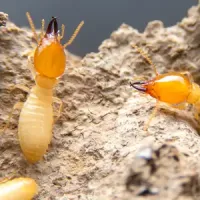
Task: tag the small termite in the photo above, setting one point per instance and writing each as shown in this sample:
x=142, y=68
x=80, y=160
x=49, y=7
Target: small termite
x=36, y=117
x=18, y=189
x=177, y=89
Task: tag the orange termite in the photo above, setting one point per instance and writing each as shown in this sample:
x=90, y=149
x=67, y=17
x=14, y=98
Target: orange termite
x=18, y=189
x=174, y=88
x=48, y=64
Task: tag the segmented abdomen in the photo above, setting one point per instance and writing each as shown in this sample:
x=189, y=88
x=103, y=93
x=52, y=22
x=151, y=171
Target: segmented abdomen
x=35, y=127
x=18, y=189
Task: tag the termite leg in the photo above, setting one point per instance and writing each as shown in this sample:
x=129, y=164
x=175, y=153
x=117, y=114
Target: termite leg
x=180, y=106
x=196, y=113
x=5, y=180
x=30, y=55
x=17, y=106
x=11, y=176
x=31, y=66
x=60, y=103
x=21, y=87
x=196, y=116
x=188, y=74
x=155, y=110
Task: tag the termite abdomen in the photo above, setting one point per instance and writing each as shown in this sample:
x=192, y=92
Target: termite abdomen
x=18, y=189
x=36, y=121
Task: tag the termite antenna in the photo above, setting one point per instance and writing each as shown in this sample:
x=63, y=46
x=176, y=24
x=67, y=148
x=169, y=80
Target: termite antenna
x=62, y=31
x=42, y=29
x=32, y=26
x=74, y=34
x=146, y=57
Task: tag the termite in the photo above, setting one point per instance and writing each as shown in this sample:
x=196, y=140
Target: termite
x=48, y=64
x=177, y=89
x=18, y=189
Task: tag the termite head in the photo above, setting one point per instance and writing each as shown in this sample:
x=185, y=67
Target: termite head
x=170, y=88
x=147, y=87
x=49, y=56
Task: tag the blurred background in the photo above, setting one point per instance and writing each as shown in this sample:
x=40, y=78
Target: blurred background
x=101, y=17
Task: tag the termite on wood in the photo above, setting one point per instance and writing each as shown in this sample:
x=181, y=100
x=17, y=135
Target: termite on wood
x=177, y=89
x=18, y=189
x=47, y=65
